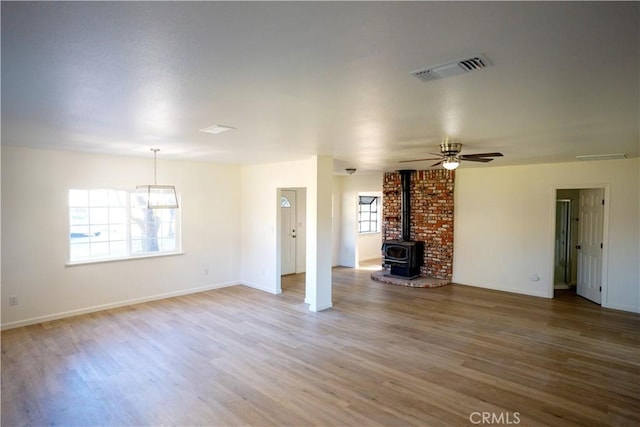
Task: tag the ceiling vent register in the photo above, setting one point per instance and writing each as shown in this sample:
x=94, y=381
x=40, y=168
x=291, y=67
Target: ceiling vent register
x=450, y=69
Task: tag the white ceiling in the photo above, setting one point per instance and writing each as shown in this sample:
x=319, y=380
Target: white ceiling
x=298, y=79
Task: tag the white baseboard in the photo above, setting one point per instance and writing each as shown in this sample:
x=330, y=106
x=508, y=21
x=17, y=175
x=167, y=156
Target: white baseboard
x=632, y=309
x=541, y=294
x=320, y=308
x=93, y=309
x=260, y=287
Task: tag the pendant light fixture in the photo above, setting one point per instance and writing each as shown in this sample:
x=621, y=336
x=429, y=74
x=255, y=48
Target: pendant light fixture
x=158, y=196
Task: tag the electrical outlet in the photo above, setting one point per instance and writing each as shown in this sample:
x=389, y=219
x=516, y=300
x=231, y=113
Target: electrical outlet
x=13, y=301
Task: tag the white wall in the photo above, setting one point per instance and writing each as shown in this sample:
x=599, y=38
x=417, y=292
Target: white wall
x=35, y=186
x=353, y=247
x=369, y=246
x=504, y=226
x=260, y=220
x=318, y=285
x=336, y=201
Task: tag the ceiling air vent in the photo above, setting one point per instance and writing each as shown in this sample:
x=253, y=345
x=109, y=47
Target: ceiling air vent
x=451, y=69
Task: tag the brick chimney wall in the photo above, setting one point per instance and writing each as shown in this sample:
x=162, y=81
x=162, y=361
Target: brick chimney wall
x=431, y=216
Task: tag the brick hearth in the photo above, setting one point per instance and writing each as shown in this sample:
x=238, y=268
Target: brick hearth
x=383, y=276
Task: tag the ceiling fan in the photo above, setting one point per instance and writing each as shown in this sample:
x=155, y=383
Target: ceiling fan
x=450, y=156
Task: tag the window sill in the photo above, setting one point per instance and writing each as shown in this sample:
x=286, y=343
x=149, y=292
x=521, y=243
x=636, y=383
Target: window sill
x=128, y=258
x=369, y=232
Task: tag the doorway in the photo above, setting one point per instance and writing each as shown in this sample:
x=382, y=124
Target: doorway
x=566, y=236
x=579, y=250
x=292, y=235
x=288, y=232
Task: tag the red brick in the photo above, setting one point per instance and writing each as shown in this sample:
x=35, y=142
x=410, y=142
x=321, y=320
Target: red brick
x=431, y=216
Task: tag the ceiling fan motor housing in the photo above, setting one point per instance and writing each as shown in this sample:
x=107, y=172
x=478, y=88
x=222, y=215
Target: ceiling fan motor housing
x=450, y=148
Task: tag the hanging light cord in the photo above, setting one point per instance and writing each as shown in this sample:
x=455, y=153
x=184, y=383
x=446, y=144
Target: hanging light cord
x=155, y=167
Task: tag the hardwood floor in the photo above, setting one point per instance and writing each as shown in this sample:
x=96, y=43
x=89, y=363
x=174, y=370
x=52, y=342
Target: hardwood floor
x=383, y=355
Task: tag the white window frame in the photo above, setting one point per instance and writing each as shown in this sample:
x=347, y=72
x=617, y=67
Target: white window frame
x=128, y=240
x=378, y=212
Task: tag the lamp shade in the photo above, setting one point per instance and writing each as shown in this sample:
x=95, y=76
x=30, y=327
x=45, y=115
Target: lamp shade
x=158, y=196
x=451, y=163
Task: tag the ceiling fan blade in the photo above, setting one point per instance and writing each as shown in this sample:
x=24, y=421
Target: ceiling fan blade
x=476, y=159
x=468, y=156
x=417, y=160
x=436, y=164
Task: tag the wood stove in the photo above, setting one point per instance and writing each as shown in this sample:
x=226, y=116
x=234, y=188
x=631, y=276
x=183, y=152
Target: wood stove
x=404, y=256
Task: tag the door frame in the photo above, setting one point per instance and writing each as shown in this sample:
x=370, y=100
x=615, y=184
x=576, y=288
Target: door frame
x=283, y=234
x=301, y=232
x=605, y=234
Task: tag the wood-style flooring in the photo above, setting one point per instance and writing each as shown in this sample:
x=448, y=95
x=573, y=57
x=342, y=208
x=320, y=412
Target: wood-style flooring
x=384, y=355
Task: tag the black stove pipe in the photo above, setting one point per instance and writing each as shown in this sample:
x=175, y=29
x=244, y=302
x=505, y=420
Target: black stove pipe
x=405, y=180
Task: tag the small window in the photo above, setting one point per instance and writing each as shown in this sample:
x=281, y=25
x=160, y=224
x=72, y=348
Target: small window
x=284, y=202
x=110, y=224
x=368, y=218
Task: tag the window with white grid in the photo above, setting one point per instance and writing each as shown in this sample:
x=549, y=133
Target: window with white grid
x=109, y=224
x=368, y=216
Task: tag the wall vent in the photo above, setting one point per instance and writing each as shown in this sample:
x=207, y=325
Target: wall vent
x=450, y=69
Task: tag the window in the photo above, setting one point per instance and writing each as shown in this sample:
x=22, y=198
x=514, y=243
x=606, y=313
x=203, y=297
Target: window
x=109, y=224
x=284, y=202
x=368, y=219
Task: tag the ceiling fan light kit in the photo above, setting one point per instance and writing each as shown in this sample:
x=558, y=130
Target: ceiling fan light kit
x=451, y=163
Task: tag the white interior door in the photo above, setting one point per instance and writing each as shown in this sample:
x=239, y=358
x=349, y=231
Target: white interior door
x=590, y=226
x=288, y=231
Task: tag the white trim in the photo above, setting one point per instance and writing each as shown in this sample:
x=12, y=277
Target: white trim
x=127, y=258
x=261, y=288
x=320, y=308
x=629, y=308
x=378, y=196
x=506, y=289
x=101, y=307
